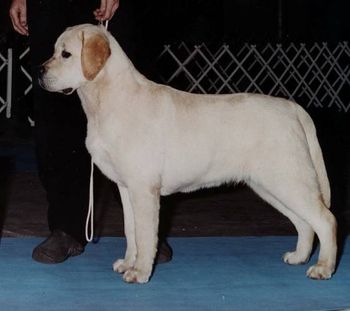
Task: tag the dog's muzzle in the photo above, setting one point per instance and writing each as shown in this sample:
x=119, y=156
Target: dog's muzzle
x=46, y=82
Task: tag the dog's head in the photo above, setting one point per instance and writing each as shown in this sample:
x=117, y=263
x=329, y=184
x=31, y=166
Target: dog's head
x=80, y=54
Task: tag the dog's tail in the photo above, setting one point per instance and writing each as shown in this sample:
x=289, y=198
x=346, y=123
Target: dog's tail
x=316, y=154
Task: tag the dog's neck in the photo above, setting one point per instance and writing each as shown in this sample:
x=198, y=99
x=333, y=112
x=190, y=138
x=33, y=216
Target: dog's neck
x=119, y=62
x=118, y=71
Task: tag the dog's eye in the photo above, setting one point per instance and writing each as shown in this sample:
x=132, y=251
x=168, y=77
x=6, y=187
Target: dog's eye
x=66, y=54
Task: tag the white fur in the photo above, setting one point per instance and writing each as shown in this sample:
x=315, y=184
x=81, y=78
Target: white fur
x=154, y=140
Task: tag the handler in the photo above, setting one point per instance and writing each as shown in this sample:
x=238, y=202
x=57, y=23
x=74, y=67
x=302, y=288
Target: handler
x=60, y=124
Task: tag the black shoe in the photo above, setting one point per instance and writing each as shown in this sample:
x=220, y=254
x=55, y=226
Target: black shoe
x=58, y=247
x=165, y=253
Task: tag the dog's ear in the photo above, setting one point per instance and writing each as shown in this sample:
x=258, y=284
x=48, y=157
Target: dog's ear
x=94, y=54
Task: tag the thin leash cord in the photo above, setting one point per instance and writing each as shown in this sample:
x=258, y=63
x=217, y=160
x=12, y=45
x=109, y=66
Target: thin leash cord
x=90, y=215
x=105, y=23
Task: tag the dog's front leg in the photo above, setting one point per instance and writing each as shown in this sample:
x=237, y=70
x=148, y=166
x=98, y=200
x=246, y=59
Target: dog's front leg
x=145, y=205
x=122, y=265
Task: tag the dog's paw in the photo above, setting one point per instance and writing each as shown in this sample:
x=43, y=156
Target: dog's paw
x=136, y=276
x=319, y=272
x=294, y=258
x=121, y=266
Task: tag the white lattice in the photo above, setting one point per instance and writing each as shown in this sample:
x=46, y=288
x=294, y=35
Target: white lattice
x=315, y=75
x=25, y=71
x=6, y=73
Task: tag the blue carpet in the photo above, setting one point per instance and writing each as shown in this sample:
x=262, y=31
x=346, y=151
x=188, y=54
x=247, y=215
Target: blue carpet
x=230, y=273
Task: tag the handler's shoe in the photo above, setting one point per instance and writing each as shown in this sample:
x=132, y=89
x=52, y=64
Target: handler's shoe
x=58, y=247
x=164, y=254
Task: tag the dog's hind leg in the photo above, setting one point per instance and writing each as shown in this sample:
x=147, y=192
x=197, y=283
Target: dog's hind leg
x=302, y=196
x=121, y=265
x=145, y=206
x=314, y=211
x=305, y=233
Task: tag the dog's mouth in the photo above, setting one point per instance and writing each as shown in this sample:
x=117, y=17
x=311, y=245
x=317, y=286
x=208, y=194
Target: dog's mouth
x=67, y=91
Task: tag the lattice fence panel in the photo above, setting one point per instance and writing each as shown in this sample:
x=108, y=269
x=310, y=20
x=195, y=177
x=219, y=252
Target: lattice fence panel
x=25, y=71
x=5, y=77
x=314, y=75
x=15, y=75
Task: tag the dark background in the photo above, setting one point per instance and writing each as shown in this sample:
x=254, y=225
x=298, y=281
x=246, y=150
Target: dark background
x=222, y=20
x=154, y=23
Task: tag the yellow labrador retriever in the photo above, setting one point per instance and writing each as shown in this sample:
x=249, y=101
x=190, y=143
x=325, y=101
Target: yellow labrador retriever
x=154, y=140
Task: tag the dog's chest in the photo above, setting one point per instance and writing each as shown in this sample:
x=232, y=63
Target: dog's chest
x=101, y=155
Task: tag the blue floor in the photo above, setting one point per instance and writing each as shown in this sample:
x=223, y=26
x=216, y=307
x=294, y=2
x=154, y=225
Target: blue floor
x=233, y=273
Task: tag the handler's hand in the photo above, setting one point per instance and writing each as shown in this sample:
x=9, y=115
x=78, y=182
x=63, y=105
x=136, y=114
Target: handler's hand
x=106, y=9
x=18, y=14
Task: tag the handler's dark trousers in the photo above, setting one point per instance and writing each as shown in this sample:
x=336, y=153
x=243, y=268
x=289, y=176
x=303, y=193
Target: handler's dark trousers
x=60, y=123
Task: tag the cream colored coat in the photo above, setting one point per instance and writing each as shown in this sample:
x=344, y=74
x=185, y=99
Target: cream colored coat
x=154, y=140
